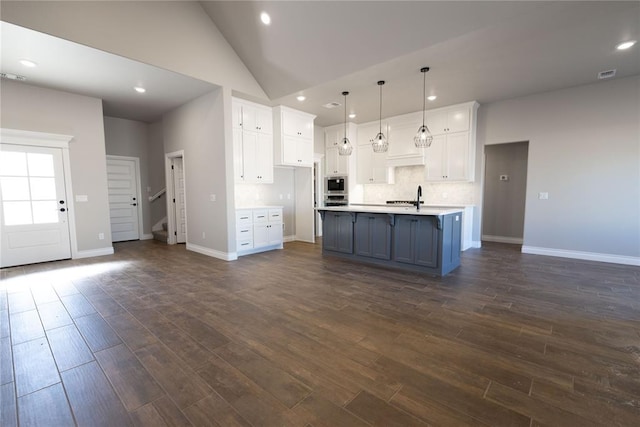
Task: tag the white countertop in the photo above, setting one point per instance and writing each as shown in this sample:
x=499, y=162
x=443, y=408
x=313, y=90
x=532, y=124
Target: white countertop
x=390, y=209
x=239, y=208
x=430, y=205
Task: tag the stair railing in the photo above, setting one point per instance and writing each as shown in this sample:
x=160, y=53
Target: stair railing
x=157, y=195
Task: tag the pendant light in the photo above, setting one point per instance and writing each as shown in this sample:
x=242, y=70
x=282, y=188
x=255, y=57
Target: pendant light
x=345, y=148
x=423, y=138
x=380, y=143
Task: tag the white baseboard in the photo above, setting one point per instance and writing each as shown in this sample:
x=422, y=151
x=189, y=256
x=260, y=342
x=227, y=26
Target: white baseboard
x=226, y=256
x=146, y=237
x=589, y=256
x=288, y=238
x=502, y=239
x=94, y=252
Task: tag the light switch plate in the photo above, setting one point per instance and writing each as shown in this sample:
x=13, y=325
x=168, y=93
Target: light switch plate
x=82, y=198
x=543, y=196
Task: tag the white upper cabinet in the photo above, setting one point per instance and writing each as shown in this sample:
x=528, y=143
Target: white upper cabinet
x=450, y=119
x=371, y=167
x=293, y=132
x=252, y=142
x=335, y=164
x=451, y=156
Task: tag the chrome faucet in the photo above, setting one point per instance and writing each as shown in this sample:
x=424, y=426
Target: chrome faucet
x=418, y=197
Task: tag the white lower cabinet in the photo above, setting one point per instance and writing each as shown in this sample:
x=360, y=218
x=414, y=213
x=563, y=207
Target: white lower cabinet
x=258, y=230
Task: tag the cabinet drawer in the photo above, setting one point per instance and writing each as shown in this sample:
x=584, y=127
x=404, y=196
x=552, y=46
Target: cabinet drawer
x=261, y=215
x=275, y=215
x=243, y=218
x=245, y=233
x=243, y=245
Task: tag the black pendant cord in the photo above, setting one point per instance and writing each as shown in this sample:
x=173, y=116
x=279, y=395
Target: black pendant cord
x=345, y=115
x=380, y=83
x=424, y=93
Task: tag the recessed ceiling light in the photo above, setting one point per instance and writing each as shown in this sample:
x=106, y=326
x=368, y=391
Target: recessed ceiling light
x=431, y=97
x=28, y=63
x=265, y=18
x=352, y=115
x=626, y=45
x=301, y=98
x=140, y=89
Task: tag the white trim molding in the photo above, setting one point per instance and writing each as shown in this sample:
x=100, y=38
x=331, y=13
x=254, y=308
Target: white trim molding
x=502, y=239
x=94, y=252
x=588, y=256
x=225, y=256
x=146, y=236
x=289, y=238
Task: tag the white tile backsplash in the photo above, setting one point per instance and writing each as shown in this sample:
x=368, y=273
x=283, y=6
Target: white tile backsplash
x=406, y=183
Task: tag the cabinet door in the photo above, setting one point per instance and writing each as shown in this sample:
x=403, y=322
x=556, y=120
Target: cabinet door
x=236, y=114
x=436, y=121
x=335, y=163
x=426, y=242
x=292, y=124
x=456, y=158
x=404, y=239
x=274, y=234
x=249, y=148
x=290, y=150
x=332, y=137
x=373, y=236
x=337, y=232
x=364, y=164
x=260, y=235
x=434, y=170
x=379, y=169
x=304, y=152
x=264, y=158
x=249, y=118
x=458, y=120
x=367, y=132
x=264, y=120
x=238, y=163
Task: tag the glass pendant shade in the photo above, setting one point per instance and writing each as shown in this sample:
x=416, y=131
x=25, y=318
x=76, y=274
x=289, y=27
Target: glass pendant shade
x=423, y=138
x=345, y=148
x=380, y=143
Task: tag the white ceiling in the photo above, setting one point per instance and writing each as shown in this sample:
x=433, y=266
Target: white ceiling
x=477, y=50
x=72, y=67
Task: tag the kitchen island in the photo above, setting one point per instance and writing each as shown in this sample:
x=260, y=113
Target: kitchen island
x=425, y=240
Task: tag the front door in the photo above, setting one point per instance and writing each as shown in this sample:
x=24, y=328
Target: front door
x=122, y=178
x=33, y=216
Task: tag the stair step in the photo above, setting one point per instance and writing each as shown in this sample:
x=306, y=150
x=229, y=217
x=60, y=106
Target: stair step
x=164, y=226
x=161, y=235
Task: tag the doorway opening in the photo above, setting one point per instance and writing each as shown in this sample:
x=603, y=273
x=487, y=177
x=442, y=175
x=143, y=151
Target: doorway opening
x=505, y=186
x=176, y=198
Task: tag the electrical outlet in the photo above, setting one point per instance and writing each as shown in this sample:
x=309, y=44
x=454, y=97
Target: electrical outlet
x=504, y=177
x=100, y=236
x=212, y=197
x=543, y=196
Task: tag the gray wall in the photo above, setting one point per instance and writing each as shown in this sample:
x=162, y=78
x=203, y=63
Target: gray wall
x=584, y=150
x=504, y=200
x=130, y=138
x=156, y=179
x=37, y=109
x=198, y=128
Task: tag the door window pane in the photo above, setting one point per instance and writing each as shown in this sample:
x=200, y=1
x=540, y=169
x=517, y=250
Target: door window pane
x=40, y=164
x=13, y=163
x=43, y=188
x=45, y=212
x=17, y=213
x=14, y=188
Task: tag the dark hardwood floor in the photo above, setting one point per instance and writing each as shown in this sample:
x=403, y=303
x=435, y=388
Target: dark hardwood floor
x=155, y=335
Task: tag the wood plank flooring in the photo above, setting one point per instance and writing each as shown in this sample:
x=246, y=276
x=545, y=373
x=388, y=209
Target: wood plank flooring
x=155, y=335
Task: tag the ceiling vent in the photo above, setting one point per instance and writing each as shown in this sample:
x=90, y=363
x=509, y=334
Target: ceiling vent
x=332, y=105
x=606, y=74
x=13, y=76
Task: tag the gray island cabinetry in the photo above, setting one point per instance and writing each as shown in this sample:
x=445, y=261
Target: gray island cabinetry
x=424, y=241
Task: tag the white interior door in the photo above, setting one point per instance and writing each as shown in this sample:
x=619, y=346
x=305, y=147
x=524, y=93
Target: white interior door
x=33, y=216
x=179, y=202
x=122, y=178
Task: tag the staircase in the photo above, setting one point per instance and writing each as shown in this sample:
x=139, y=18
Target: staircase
x=161, y=235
